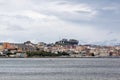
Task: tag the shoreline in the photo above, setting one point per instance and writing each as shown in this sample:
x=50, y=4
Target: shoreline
x=63, y=57
x=73, y=57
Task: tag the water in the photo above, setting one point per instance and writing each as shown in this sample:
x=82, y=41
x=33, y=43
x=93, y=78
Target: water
x=59, y=69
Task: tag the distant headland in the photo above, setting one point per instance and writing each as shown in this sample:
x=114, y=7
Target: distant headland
x=63, y=48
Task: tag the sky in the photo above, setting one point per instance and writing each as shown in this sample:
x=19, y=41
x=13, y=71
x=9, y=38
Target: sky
x=89, y=21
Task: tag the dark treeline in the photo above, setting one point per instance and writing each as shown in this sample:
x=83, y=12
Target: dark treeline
x=45, y=54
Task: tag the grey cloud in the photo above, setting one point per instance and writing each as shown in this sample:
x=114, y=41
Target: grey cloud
x=15, y=28
x=64, y=15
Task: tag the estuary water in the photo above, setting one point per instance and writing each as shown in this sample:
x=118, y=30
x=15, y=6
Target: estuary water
x=59, y=68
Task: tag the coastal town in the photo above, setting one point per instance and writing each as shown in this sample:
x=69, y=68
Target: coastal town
x=63, y=48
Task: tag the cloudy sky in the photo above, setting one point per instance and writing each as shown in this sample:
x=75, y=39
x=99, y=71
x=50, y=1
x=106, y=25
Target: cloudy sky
x=51, y=20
